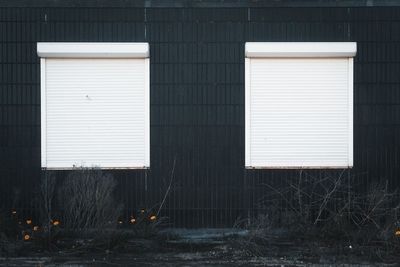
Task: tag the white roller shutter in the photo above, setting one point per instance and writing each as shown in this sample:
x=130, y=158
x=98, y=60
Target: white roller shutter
x=95, y=112
x=299, y=112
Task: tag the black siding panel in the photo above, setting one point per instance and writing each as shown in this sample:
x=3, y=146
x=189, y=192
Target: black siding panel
x=197, y=99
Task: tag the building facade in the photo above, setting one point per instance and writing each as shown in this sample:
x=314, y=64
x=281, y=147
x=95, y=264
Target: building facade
x=197, y=95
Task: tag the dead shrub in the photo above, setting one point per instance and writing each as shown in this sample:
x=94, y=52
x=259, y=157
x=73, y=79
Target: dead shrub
x=87, y=200
x=330, y=208
x=46, y=199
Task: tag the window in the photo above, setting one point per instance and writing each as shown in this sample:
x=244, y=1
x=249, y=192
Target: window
x=94, y=105
x=299, y=105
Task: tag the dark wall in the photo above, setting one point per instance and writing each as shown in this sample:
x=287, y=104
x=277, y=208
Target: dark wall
x=197, y=98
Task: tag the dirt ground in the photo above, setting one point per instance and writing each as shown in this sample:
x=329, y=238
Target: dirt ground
x=203, y=247
x=204, y=258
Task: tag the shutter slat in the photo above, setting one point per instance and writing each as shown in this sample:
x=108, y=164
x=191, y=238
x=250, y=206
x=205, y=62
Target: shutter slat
x=299, y=112
x=95, y=112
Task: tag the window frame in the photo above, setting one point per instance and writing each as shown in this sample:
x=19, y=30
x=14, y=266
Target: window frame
x=346, y=50
x=93, y=50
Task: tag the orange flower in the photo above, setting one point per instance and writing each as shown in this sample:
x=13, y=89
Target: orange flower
x=29, y=221
x=133, y=220
x=55, y=223
x=397, y=233
x=153, y=218
x=27, y=237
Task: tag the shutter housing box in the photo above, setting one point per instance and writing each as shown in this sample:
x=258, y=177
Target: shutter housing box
x=299, y=105
x=95, y=105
